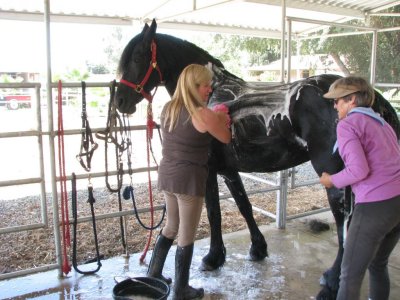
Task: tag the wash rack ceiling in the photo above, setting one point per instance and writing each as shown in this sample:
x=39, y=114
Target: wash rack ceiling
x=245, y=17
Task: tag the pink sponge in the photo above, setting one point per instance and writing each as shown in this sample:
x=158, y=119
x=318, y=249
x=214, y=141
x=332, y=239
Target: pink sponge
x=225, y=109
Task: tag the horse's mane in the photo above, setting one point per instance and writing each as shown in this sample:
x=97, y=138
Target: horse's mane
x=198, y=52
x=192, y=47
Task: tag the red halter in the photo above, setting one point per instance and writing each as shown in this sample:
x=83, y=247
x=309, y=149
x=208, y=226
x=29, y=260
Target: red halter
x=153, y=65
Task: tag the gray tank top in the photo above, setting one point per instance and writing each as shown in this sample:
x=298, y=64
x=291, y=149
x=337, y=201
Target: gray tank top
x=183, y=168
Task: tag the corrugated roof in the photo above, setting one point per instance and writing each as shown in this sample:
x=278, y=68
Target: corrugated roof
x=254, y=17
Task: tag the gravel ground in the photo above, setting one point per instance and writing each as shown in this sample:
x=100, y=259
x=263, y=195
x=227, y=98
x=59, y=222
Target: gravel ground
x=35, y=248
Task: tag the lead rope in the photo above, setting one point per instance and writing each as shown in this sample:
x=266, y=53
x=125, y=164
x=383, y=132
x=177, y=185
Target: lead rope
x=110, y=135
x=91, y=201
x=66, y=268
x=87, y=152
x=129, y=190
x=149, y=136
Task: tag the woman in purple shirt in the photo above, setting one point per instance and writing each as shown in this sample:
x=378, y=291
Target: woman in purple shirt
x=371, y=155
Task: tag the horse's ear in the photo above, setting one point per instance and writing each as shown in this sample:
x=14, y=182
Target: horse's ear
x=149, y=34
x=145, y=28
x=153, y=25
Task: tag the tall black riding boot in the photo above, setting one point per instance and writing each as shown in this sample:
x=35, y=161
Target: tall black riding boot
x=182, y=289
x=158, y=257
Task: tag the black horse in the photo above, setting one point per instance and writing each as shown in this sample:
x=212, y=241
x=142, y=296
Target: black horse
x=274, y=127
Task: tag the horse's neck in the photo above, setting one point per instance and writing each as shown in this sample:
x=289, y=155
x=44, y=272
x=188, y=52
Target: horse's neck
x=176, y=54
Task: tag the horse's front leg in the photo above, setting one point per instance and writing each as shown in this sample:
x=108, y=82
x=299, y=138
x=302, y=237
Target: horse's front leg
x=258, y=249
x=330, y=278
x=216, y=255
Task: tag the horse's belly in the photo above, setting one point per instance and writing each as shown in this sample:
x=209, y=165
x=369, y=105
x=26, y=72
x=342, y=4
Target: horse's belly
x=267, y=155
x=258, y=147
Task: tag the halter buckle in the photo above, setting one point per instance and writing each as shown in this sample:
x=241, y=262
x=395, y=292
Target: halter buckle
x=138, y=88
x=154, y=65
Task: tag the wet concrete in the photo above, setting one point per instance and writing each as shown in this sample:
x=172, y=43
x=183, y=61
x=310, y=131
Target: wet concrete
x=297, y=258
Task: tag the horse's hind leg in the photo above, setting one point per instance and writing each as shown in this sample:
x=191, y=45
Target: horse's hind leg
x=330, y=279
x=258, y=249
x=216, y=255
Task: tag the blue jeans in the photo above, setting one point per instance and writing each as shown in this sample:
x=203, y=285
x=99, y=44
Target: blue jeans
x=374, y=232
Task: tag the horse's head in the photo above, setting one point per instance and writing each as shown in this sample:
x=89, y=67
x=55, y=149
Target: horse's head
x=138, y=69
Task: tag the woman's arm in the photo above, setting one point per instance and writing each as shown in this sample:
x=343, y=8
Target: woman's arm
x=351, y=150
x=215, y=123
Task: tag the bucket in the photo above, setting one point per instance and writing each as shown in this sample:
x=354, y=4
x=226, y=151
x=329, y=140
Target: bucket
x=141, y=288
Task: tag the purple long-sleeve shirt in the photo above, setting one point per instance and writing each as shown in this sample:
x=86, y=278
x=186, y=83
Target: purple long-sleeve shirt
x=371, y=154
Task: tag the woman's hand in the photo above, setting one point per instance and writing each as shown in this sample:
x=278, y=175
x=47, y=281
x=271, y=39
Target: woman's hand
x=326, y=180
x=223, y=114
x=224, y=118
x=213, y=122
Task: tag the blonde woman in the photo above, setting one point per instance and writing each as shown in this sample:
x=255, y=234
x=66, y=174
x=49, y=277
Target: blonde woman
x=187, y=127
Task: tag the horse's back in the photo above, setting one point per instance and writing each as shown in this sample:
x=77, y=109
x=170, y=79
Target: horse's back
x=386, y=110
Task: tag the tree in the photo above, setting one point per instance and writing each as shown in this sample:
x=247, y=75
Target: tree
x=73, y=75
x=114, y=48
x=354, y=51
x=97, y=68
x=240, y=52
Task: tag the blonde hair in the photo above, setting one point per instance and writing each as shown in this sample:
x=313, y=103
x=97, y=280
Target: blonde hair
x=186, y=93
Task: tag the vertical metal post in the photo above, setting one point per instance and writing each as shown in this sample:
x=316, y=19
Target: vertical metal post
x=56, y=221
x=289, y=50
x=298, y=48
x=283, y=41
x=373, y=56
x=292, y=174
x=41, y=156
x=281, y=199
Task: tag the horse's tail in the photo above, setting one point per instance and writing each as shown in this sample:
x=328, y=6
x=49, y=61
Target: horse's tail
x=386, y=110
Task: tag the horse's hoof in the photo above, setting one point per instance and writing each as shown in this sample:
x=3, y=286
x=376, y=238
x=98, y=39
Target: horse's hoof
x=205, y=267
x=330, y=280
x=212, y=261
x=326, y=294
x=257, y=255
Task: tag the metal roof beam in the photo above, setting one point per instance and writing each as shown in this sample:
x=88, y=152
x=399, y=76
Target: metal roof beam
x=383, y=7
x=256, y=32
x=65, y=18
x=360, y=27
x=385, y=14
x=194, y=9
x=314, y=6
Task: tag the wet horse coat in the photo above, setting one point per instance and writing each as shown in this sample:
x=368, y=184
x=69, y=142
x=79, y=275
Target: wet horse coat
x=274, y=127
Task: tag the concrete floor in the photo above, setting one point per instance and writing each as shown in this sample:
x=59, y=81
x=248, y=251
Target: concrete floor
x=292, y=271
